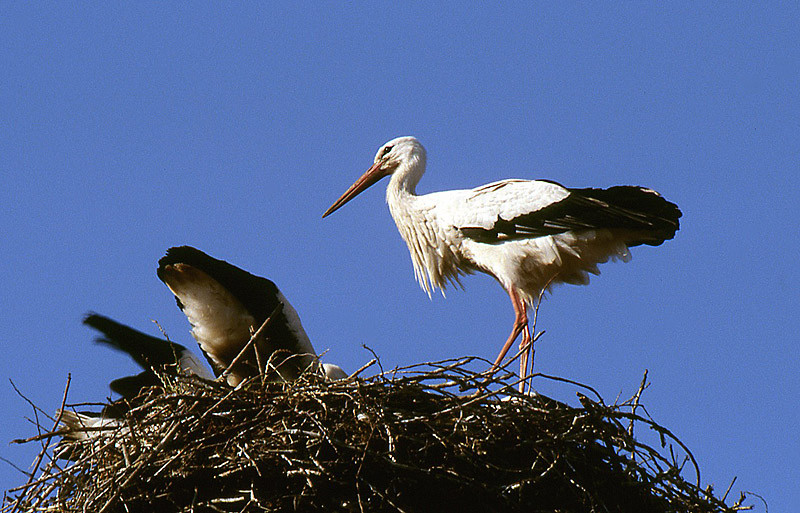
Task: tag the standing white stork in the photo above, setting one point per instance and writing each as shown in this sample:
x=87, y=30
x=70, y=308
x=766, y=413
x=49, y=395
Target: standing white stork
x=527, y=234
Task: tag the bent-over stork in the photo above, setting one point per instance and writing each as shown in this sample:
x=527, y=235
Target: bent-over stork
x=527, y=234
x=147, y=351
x=150, y=353
x=226, y=305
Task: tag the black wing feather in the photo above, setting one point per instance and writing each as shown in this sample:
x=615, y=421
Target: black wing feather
x=258, y=295
x=145, y=350
x=623, y=207
x=131, y=386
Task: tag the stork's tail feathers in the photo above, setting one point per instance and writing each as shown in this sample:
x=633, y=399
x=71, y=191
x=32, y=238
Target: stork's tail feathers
x=639, y=210
x=82, y=426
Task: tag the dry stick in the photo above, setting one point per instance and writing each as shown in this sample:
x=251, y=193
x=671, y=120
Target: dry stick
x=42, y=436
x=728, y=490
x=636, y=397
x=571, y=382
x=262, y=371
x=276, y=366
x=162, y=330
x=47, y=443
x=36, y=422
x=528, y=378
x=35, y=408
x=213, y=406
x=535, y=320
x=531, y=350
x=174, y=350
x=14, y=465
x=363, y=368
x=253, y=339
x=375, y=357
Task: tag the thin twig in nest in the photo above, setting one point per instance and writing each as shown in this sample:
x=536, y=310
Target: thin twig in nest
x=253, y=338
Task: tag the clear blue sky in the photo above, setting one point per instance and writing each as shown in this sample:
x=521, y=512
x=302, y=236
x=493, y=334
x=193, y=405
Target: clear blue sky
x=125, y=130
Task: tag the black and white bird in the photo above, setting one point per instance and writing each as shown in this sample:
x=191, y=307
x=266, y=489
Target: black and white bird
x=150, y=353
x=225, y=305
x=527, y=234
x=147, y=351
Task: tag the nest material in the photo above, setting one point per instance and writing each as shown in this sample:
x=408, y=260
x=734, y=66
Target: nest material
x=434, y=437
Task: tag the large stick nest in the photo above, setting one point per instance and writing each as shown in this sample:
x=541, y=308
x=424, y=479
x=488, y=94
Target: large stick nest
x=433, y=437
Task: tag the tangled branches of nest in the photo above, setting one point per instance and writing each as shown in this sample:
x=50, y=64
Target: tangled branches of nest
x=434, y=437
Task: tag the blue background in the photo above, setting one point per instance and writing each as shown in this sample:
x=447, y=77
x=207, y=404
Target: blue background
x=125, y=130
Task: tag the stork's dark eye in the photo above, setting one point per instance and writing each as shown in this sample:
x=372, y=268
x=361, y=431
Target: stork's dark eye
x=386, y=150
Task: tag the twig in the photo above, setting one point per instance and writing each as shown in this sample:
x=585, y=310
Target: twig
x=363, y=368
x=635, y=404
x=253, y=339
x=26, y=474
x=375, y=357
x=725, y=496
x=35, y=408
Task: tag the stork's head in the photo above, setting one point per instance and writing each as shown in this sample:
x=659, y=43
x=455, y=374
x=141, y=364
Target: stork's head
x=398, y=150
x=403, y=154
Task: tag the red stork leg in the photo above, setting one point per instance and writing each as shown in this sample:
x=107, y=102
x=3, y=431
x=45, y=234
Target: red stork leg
x=520, y=326
x=525, y=347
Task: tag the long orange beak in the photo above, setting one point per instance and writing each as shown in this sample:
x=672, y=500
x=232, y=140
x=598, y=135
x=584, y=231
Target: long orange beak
x=373, y=174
